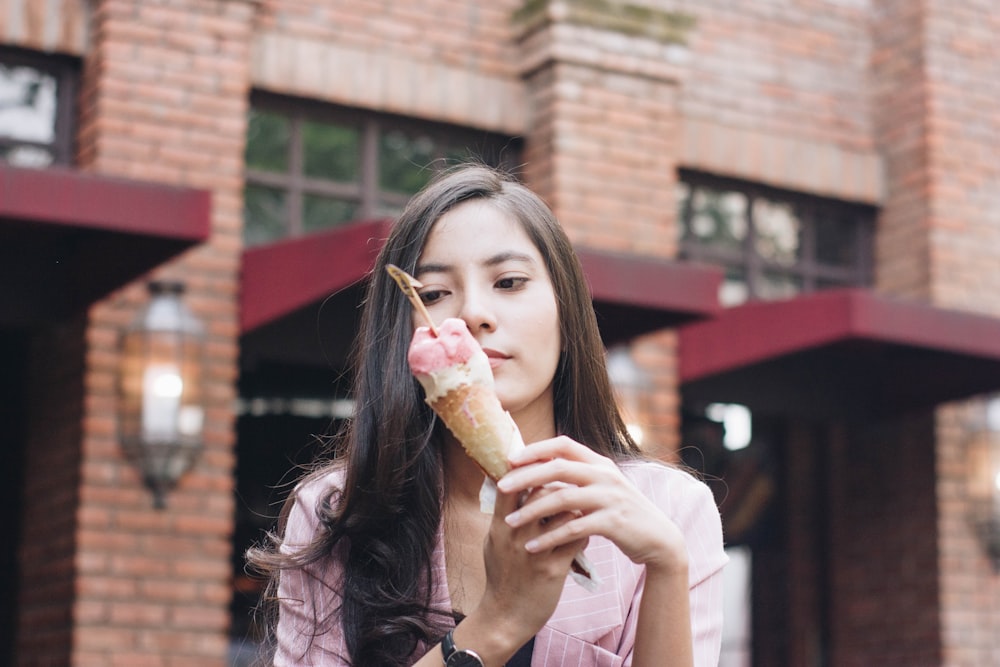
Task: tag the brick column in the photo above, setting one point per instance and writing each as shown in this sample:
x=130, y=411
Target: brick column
x=164, y=99
x=961, y=58
x=937, y=88
x=602, y=81
x=54, y=406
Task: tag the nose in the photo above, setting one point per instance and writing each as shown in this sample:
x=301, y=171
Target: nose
x=477, y=312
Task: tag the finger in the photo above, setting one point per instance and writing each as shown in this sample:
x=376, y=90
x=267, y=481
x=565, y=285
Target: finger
x=571, y=501
x=558, y=447
x=505, y=503
x=561, y=470
x=573, y=532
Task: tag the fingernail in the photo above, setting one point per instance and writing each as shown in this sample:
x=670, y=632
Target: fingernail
x=513, y=518
x=531, y=546
x=503, y=484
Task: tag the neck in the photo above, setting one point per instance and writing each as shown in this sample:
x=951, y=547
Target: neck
x=536, y=422
x=462, y=476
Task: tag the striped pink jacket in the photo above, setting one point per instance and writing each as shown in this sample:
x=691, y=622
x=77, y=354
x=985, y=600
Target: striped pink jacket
x=588, y=629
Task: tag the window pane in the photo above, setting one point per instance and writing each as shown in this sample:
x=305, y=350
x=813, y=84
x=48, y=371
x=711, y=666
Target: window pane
x=323, y=212
x=27, y=156
x=772, y=286
x=405, y=162
x=716, y=218
x=778, y=231
x=332, y=152
x=734, y=289
x=388, y=209
x=263, y=214
x=268, y=135
x=837, y=241
x=27, y=104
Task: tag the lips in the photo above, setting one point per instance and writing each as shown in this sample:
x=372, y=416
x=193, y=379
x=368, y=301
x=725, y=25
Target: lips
x=496, y=357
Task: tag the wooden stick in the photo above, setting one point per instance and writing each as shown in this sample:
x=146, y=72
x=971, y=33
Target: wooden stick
x=407, y=283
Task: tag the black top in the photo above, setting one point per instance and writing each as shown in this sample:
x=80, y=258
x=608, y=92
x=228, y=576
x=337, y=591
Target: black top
x=520, y=659
x=523, y=656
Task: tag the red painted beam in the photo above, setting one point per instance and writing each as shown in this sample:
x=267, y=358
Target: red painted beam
x=78, y=200
x=279, y=278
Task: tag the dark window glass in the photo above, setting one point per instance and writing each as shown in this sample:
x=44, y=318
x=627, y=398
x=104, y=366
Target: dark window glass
x=264, y=213
x=838, y=241
x=321, y=212
x=773, y=244
x=268, y=140
x=331, y=151
x=406, y=162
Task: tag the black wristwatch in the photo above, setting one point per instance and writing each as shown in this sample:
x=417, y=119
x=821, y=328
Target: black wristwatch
x=456, y=657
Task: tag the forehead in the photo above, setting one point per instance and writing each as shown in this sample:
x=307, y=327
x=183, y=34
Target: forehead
x=476, y=228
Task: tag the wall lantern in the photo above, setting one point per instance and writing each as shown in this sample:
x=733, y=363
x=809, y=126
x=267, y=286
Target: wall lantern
x=984, y=477
x=161, y=400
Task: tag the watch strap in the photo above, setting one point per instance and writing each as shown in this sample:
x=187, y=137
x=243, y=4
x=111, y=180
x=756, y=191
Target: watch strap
x=455, y=657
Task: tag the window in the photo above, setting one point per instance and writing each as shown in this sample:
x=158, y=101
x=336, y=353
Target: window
x=773, y=244
x=311, y=166
x=37, y=107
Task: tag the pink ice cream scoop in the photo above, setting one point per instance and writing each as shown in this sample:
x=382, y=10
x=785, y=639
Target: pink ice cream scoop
x=453, y=345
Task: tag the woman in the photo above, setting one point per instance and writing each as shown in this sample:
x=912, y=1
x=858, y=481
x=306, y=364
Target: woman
x=385, y=552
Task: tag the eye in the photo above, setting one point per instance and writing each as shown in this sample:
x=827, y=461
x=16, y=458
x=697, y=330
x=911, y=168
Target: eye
x=511, y=283
x=430, y=296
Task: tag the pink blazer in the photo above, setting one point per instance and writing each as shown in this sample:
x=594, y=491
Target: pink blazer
x=588, y=629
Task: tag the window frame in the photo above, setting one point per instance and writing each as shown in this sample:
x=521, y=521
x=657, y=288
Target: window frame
x=372, y=126
x=66, y=71
x=807, y=270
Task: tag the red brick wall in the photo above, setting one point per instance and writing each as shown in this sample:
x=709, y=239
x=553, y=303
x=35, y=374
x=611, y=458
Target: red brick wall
x=454, y=32
x=783, y=69
x=883, y=556
x=164, y=99
x=899, y=111
x=962, y=62
x=55, y=405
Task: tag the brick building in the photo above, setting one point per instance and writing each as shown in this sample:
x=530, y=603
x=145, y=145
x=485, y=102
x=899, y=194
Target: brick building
x=793, y=206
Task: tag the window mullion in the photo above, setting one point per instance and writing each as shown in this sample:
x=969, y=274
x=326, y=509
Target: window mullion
x=295, y=173
x=369, y=170
x=809, y=258
x=750, y=259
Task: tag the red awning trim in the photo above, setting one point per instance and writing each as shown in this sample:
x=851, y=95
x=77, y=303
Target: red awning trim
x=69, y=238
x=77, y=200
x=656, y=284
x=632, y=295
x=839, y=352
x=279, y=278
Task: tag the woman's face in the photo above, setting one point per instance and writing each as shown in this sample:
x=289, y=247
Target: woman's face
x=479, y=265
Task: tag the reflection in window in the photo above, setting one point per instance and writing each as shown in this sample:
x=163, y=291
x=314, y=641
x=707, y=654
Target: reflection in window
x=773, y=244
x=264, y=210
x=33, y=87
x=778, y=231
x=268, y=141
x=310, y=167
x=331, y=151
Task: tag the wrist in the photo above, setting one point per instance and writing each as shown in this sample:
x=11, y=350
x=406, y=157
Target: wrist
x=492, y=641
x=458, y=657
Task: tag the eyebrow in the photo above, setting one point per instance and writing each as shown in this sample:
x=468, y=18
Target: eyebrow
x=492, y=260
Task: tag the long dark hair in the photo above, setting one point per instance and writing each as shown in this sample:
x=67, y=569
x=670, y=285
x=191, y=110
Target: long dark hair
x=383, y=523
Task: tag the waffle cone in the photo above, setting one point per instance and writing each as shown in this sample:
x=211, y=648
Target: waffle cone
x=472, y=412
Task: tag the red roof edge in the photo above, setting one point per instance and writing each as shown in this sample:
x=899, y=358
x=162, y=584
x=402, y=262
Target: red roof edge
x=64, y=197
x=761, y=331
x=647, y=282
x=281, y=277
